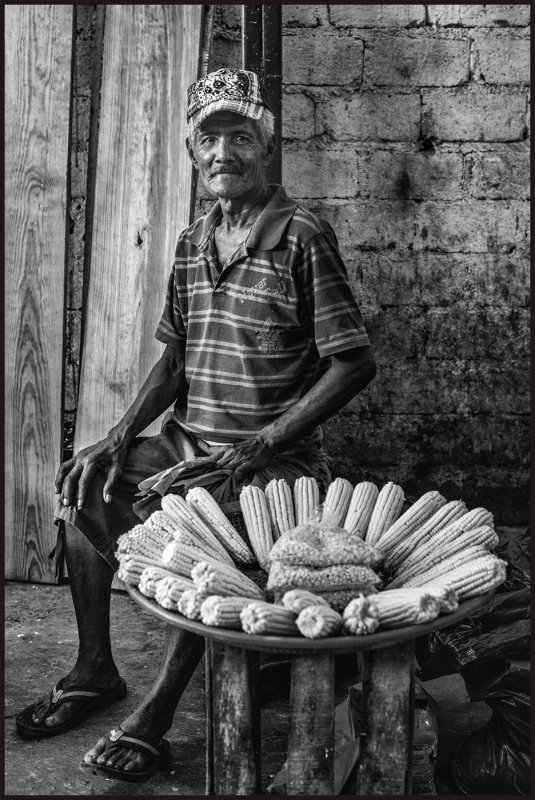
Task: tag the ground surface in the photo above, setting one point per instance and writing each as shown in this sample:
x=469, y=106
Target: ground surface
x=40, y=645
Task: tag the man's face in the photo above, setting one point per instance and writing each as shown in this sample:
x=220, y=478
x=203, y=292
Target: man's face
x=229, y=155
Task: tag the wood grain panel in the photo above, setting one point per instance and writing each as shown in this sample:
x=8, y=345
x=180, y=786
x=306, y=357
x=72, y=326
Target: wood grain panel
x=142, y=202
x=38, y=56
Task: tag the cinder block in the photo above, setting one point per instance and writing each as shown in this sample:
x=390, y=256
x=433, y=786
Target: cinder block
x=383, y=278
x=470, y=226
x=304, y=16
x=503, y=58
x=466, y=332
x=500, y=174
x=372, y=116
x=377, y=16
x=416, y=61
x=298, y=116
x=470, y=16
x=379, y=224
x=411, y=176
x=320, y=172
x=476, y=115
x=322, y=60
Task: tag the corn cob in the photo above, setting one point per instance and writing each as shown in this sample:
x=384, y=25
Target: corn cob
x=445, y=515
x=336, y=502
x=298, y=599
x=223, y=580
x=190, y=603
x=150, y=578
x=306, y=499
x=446, y=596
x=258, y=523
x=361, y=616
x=407, y=523
x=207, y=508
x=267, y=618
x=435, y=550
x=143, y=541
x=181, y=558
x=400, y=607
x=339, y=599
x=476, y=518
x=279, y=500
x=385, y=512
x=161, y=521
x=187, y=518
x=321, y=579
x=223, y=612
x=483, y=573
x=441, y=570
x=169, y=591
x=360, y=508
x=317, y=622
x=337, y=547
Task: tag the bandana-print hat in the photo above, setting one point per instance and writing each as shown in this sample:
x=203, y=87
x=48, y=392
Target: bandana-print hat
x=235, y=90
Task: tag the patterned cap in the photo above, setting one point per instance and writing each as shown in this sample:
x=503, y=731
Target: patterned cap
x=235, y=90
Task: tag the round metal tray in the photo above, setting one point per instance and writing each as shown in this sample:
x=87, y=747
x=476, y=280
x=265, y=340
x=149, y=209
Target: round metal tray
x=299, y=644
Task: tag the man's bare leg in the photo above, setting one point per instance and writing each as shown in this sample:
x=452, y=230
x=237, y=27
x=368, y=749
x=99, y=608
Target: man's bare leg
x=154, y=716
x=90, y=578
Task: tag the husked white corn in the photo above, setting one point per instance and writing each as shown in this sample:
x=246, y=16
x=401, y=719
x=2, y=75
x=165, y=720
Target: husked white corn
x=336, y=502
x=190, y=603
x=283, y=577
x=188, y=519
x=161, y=521
x=446, y=596
x=361, y=616
x=385, y=512
x=169, y=591
x=181, y=558
x=144, y=541
x=400, y=607
x=340, y=599
x=227, y=581
x=269, y=619
x=443, y=517
x=479, y=576
x=280, y=505
x=298, y=599
x=360, y=508
x=255, y=512
x=223, y=612
x=319, y=621
x=407, y=523
x=212, y=514
x=131, y=565
x=306, y=499
x=438, y=548
x=149, y=579
x=441, y=570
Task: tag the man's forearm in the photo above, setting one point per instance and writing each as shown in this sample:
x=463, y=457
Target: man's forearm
x=161, y=388
x=347, y=375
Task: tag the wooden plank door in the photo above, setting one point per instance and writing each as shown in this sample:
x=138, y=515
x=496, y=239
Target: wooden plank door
x=142, y=201
x=38, y=52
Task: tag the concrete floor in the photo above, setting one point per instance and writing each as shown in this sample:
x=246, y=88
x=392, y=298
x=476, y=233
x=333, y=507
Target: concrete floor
x=40, y=645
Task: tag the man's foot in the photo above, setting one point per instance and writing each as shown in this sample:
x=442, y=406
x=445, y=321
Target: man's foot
x=69, y=702
x=129, y=757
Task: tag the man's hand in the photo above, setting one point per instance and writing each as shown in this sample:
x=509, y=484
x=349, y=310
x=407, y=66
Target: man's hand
x=244, y=458
x=75, y=475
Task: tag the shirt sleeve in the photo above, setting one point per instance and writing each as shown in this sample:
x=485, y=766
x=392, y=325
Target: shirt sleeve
x=170, y=329
x=336, y=317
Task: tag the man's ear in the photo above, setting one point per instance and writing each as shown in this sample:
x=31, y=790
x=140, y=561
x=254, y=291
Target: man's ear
x=270, y=149
x=190, y=152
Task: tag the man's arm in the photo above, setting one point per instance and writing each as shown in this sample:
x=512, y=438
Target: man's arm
x=348, y=374
x=161, y=388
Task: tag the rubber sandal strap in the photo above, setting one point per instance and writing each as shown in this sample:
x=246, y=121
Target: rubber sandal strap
x=118, y=736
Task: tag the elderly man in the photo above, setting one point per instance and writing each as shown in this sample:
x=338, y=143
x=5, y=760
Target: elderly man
x=263, y=342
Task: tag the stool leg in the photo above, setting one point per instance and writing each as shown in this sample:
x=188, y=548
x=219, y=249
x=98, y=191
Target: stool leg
x=235, y=708
x=387, y=709
x=311, y=735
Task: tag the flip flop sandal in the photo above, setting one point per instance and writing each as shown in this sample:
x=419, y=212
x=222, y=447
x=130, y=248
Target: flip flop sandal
x=88, y=698
x=160, y=752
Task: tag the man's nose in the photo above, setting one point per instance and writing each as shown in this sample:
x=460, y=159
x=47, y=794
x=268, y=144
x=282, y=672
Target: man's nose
x=223, y=150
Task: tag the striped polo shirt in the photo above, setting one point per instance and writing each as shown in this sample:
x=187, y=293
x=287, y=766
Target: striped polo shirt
x=254, y=329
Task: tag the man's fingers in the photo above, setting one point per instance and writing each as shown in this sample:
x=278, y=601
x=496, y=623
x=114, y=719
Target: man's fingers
x=68, y=489
x=63, y=469
x=111, y=480
x=84, y=481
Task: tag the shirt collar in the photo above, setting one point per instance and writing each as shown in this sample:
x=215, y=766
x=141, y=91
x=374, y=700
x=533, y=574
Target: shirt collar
x=267, y=229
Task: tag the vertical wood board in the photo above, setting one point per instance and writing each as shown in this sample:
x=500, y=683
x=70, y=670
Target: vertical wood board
x=142, y=202
x=38, y=53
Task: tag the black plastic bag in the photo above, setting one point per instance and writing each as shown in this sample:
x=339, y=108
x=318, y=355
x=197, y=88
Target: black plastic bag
x=495, y=759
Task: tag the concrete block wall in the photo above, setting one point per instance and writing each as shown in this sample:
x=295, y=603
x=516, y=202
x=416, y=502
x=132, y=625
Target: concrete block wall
x=407, y=127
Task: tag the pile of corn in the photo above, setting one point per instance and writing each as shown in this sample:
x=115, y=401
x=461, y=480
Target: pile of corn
x=355, y=564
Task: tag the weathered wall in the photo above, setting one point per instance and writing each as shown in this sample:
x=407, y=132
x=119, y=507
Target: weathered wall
x=407, y=128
